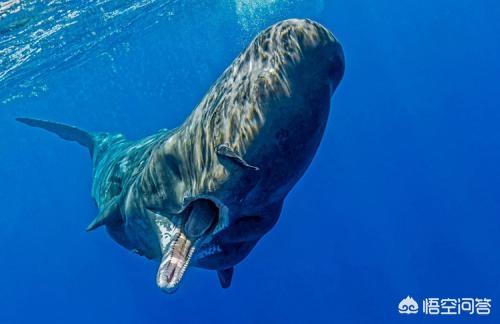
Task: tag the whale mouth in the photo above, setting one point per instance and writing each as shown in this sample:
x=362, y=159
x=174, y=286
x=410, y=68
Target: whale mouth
x=175, y=262
x=201, y=220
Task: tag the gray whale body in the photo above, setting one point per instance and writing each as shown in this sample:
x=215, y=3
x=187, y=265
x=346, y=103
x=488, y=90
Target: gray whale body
x=203, y=194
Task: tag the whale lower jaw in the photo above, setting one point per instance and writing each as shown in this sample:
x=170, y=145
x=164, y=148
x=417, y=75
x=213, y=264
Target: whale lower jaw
x=196, y=223
x=175, y=262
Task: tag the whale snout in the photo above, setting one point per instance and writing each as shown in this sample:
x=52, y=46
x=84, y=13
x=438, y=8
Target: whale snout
x=312, y=50
x=300, y=65
x=334, y=64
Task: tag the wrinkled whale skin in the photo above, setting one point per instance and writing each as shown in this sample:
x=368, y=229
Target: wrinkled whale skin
x=241, y=150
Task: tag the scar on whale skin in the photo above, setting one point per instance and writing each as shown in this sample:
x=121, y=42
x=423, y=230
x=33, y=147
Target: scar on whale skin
x=205, y=193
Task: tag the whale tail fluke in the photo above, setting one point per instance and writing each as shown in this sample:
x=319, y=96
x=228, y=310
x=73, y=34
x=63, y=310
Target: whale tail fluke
x=66, y=132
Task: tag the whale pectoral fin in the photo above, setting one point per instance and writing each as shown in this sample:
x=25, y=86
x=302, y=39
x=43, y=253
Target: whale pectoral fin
x=225, y=277
x=224, y=152
x=110, y=214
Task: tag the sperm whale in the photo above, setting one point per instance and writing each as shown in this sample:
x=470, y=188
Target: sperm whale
x=205, y=193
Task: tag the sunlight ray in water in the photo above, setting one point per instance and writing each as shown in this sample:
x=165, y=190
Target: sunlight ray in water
x=37, y=37
x=253, y=13
x=40, y=37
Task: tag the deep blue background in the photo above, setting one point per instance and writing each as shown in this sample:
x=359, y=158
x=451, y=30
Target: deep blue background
x=403, y=197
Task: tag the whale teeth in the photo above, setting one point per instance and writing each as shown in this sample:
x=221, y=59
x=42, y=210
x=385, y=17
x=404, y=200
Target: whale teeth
x=174, y=263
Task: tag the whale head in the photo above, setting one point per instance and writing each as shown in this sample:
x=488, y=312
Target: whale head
x=215, y=185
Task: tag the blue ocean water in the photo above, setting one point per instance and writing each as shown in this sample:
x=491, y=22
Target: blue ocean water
x=402, y=198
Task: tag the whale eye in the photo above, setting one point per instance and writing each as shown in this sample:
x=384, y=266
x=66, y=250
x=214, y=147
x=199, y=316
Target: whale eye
x=282, y=135
x=282, y=138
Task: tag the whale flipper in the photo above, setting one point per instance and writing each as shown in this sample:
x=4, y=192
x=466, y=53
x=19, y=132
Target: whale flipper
x=225, y=277
x=225, y=152
x=110, y=214
x=66, y=132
